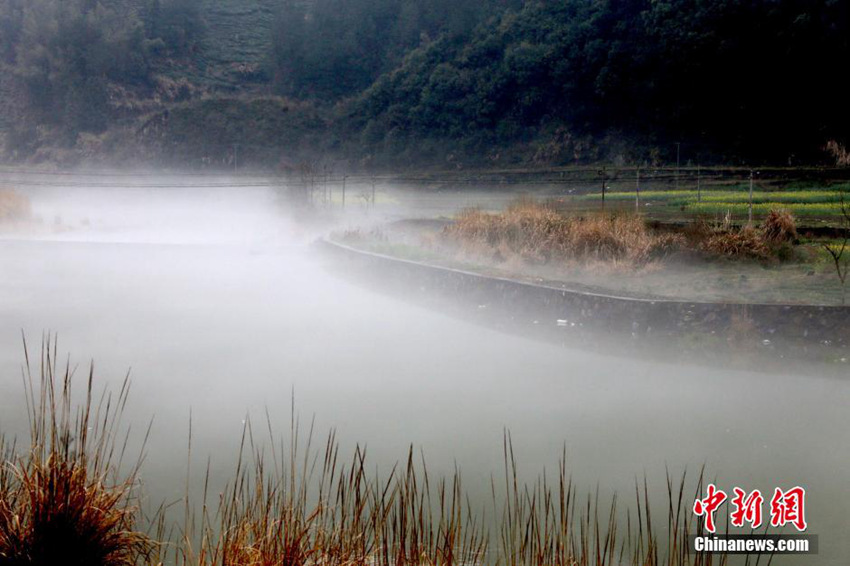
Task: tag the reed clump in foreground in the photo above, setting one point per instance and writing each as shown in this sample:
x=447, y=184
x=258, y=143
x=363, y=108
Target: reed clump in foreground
x=538, y=233
x=311, y=509
x=61, y=500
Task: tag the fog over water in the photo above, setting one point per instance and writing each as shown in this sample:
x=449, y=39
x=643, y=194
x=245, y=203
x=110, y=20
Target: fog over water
x=216, y=300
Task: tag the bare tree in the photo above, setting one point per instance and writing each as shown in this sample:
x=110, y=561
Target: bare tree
x=839, y=252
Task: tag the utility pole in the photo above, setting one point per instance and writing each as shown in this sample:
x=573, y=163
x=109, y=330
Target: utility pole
x=678, y=153
x=344, y=177
x=750, y=220
x=637, y=191
x=373, y=191
x=602, y=174
x=699, y=190
x=236, y=157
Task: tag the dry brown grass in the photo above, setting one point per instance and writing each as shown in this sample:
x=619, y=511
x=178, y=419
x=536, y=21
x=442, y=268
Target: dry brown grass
x=746, y=242
x=838, y=152
x=779, y=226
x=61, y=500
x=13, y=206
x=538, y=233
x=289, y=511
x=770, y=241
x=278, y=513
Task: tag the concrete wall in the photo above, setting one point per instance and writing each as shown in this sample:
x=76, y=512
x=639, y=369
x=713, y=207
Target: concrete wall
x=819, y=331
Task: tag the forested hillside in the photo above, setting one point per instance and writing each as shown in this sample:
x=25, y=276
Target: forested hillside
x=757, y=80
x=77, y=67
x=407, y=81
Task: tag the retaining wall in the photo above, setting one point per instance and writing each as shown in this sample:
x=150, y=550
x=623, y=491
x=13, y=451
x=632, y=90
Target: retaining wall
x=798, y=327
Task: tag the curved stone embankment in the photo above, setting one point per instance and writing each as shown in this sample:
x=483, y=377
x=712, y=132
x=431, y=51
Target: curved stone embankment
x=822, y=332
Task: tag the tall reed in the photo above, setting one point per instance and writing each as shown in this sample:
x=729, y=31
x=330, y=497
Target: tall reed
x=314, y=508
x=64, y=498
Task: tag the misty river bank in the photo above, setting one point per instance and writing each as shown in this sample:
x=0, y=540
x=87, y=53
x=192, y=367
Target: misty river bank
x=221, y=307
x=763, y=337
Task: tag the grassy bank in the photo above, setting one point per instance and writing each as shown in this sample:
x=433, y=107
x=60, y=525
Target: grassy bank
x=621, y=253
x=66, y=497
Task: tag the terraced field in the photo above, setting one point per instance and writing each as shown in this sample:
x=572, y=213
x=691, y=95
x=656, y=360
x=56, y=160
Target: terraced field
x=812, y=204
x=238, y=38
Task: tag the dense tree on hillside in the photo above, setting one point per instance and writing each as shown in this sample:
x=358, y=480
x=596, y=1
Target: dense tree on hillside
x=334, y=48
x=729, y=80
x=67, y=53
x=759, y=79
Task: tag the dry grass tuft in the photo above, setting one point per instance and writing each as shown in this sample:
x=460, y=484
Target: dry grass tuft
x=771, y=241
x=779, y=226
x=838, y=152
x=61, y=501
x=746, y=242
x=538, y=233
x=13, y=206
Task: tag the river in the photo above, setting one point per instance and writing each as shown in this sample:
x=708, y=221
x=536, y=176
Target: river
x=219, y=305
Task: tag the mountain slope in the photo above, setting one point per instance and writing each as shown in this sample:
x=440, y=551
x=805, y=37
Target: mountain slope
x=237, y=41
x=733, y=80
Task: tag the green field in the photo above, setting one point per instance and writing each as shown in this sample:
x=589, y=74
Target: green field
x=824, y=203
x=737, y=208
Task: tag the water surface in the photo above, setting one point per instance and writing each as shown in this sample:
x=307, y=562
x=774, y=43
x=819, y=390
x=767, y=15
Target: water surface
x=219, y=305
